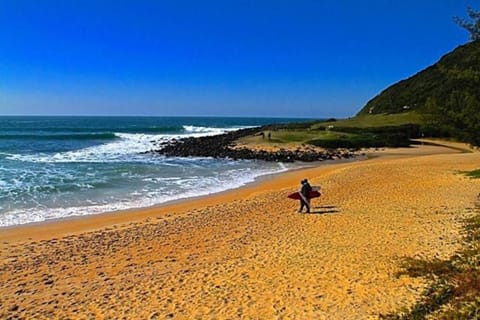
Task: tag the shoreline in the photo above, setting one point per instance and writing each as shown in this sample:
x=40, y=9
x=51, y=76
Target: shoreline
x=18, y=233
x=35, y=231
x=43, y=230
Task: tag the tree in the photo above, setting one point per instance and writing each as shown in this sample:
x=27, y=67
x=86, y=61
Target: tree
x=471, y=26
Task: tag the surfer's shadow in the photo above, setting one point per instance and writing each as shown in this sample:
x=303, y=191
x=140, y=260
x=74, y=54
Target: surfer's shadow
x=324, y=209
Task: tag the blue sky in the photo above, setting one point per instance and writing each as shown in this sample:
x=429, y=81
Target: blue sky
x=275, y=58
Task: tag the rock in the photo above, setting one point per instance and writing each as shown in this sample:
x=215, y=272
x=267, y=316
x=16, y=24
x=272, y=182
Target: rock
x=220, y=146
x=13, y=308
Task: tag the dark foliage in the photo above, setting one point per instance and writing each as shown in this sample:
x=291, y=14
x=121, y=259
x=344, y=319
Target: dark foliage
x=373, y=137
x=475, y=174
x=447, y=93
x=473, y=27
x=290, y=126
x=365, y=140
x=411, y=130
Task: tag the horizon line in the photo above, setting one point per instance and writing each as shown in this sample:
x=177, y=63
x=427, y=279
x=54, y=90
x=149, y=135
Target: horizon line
x=158, y=116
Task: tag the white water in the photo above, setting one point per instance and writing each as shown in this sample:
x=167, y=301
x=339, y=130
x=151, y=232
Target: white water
x=114, y=176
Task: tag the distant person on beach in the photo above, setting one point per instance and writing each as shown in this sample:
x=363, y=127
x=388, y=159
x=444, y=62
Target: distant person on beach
x=304, y=195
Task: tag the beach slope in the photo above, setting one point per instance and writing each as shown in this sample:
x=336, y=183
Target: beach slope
x=247, y=253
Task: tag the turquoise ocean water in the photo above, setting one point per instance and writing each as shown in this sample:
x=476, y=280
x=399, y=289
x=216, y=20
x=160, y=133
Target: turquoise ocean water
x=57, y=167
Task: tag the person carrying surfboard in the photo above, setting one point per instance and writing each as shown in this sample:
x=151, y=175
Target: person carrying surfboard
x=304, y=192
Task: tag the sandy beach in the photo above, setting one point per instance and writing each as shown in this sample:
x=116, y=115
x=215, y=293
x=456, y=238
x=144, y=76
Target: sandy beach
x=247, y=253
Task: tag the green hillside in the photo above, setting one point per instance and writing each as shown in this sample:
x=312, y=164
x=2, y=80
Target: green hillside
x=457, y=71
x=446, y=95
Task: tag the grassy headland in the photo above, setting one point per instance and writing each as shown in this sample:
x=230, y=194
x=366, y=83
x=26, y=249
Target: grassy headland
x=364, y=131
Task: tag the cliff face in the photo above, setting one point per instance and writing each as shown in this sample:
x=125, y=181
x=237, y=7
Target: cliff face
x=455, y=74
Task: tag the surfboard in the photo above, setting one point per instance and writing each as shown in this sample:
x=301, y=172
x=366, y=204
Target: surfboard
x=296, y=195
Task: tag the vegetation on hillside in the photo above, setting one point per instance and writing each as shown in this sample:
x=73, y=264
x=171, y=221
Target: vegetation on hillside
x=472, y=27
x=447, y=94
x=456, y=72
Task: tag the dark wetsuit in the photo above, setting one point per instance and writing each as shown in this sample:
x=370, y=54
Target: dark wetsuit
x=305, y=200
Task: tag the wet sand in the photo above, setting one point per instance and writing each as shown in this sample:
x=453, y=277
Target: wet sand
x=247, y=253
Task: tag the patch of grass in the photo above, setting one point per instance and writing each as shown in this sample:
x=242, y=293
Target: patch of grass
x=364, y=131
x=436, y=296
x=455, y=292
x=364, y=140
x=473, y=174
x=374, y=120
x=420, y=268
x=292, y=137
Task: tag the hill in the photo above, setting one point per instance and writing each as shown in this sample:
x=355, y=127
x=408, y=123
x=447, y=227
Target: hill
x=456, y=73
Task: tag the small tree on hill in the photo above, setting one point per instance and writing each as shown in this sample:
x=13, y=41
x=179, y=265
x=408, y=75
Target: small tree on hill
x=471, y=26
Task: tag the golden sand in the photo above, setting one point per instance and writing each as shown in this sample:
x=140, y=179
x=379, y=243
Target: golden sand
x=247, y=253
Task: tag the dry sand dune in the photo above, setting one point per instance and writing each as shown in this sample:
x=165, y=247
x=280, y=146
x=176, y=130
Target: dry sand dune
x=247, y=254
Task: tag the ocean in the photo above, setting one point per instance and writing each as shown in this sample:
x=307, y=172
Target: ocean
x=58, y=167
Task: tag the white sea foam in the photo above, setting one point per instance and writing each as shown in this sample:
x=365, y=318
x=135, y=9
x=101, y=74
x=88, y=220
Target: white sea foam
x=203, y=131
x=114, y=176
x=191, y=187
x=115, y=151
x=123, y=149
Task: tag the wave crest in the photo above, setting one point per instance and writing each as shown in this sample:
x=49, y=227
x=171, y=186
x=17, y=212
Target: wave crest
x=86, y=136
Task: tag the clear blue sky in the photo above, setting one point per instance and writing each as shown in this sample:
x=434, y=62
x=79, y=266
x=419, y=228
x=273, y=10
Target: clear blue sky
x=294, y=58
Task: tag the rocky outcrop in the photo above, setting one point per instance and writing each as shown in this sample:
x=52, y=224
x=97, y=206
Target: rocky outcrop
x=223, y=146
